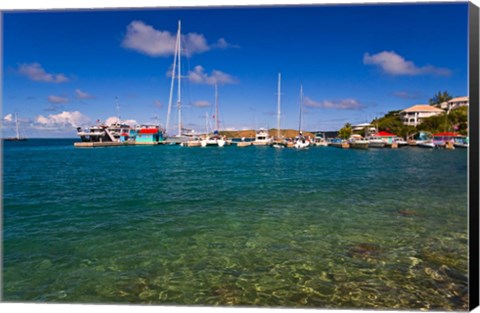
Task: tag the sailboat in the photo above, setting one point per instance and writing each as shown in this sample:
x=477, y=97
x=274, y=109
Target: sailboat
x=215, y=139
x=278, y=142
x=17, y=137
x=301, y=142
x=183, y=135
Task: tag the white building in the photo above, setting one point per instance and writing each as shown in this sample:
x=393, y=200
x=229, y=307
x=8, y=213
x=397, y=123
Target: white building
x=415, y=115
x=454, y=103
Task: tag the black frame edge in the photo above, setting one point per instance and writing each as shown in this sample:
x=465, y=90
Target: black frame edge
x=474, y=191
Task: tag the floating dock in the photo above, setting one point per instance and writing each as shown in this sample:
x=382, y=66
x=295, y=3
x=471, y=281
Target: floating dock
x=113, y=144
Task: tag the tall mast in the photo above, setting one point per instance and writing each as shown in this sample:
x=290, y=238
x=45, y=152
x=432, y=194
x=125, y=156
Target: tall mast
x=301, y=104
x=278, y=104
x=167, y=123
x=217, y=127
x=179, y=103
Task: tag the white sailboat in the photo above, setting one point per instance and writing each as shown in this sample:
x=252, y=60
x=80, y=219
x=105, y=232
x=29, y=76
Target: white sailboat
x=181, y=136
x=301, y=142
x=278, y=142
x=17, y=132
x=215, y=139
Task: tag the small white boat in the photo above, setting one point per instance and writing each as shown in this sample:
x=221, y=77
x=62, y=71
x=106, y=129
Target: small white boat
x=357, y=142
x=215, y=140
x=262, y=138
x=376, y=143
x=300, y=141
x=426, y=144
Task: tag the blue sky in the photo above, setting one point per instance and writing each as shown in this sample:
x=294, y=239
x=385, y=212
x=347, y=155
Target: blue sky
x=64, y=69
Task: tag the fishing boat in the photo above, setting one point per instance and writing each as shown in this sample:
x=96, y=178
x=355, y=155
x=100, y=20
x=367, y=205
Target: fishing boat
x=358, y=142
x=320, y=140
x=301, y=142
x=17, y=132
x=262, y=138
x=420, y=138
x=193, y=142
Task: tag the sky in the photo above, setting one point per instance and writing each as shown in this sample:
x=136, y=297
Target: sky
x=63, y=69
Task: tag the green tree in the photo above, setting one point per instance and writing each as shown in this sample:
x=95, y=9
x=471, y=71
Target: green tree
x=346, y=131
x=439, y=98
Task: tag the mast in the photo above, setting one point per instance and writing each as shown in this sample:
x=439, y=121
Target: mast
x=172, y=84
x=301, y=104
x=278, y=104
x=179, y=103
x=206, y=124
x=217, y=127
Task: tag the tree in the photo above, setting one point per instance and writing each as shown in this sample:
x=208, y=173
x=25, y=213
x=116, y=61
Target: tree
x=439, y=98
x=346, y=131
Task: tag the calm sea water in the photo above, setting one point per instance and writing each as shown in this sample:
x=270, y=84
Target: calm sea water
x=255, y=226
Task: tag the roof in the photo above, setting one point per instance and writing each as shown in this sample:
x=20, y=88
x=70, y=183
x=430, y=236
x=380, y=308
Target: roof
x=446, y=134
x=148, y=131
x=385, y=134
x=458, y=99
x=423, y=108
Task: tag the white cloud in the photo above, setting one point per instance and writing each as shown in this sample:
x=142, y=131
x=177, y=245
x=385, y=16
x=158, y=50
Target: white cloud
x=198, y=76
x=35, y=72
x=344, y=104
x=83, y=95
x=146, y=39
x=61, y=121
x=201, y=104
x=114, y=119
x=394, y=64
x=8, y=118
x=223, y=44
x=57, y=99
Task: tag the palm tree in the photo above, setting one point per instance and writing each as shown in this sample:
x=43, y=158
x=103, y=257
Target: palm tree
x=439, y=98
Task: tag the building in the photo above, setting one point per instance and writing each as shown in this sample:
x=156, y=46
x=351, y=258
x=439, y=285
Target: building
x=415, y=115
x=367, y=126
x=454, y=103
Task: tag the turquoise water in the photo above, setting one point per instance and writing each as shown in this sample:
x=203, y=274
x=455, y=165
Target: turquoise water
x=255, y=226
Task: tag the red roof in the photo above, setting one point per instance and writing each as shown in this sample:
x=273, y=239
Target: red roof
x=446, y=134
x=385, y=134
x=148, y=131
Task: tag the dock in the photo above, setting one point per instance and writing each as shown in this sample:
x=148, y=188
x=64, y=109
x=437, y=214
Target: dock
x=113, y=144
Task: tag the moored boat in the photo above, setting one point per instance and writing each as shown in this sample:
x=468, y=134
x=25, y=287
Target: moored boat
x=358, y=142
x=262, y=138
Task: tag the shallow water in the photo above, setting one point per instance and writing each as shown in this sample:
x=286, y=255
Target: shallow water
x=255, y=226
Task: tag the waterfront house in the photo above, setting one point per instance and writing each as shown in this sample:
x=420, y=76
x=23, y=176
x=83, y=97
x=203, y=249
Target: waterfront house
x=148, y=134
x=454, y=103
x=416, y=114
x=387, y=137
